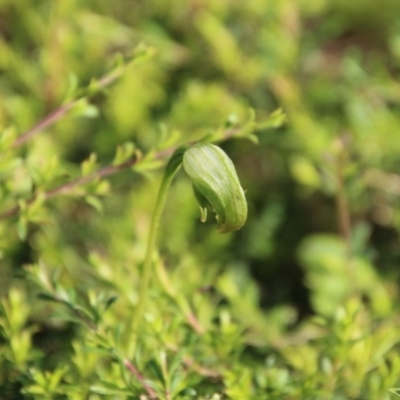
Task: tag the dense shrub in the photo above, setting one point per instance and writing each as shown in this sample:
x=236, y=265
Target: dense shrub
x=302, y=302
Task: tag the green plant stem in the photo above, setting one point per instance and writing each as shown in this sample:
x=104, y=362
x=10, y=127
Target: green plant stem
x=151, y=248
x=151, y=245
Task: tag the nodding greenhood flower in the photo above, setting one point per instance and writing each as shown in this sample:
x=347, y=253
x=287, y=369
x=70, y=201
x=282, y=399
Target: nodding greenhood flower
x=216, y=185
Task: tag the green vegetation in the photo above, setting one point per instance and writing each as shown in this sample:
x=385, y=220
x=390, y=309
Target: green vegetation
x=302, y=302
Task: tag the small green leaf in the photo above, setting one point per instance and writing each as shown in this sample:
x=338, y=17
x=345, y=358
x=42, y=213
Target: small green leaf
x=110, y=301
x=276, y=119
x=124, y=152
x=148, y=163
x=7, y=137
x=89, y=165
x=395, y=391
x=33, y=390
x=94, y=202
x=47, y=297
x=189, y=392
x=72, y=88
x=216, y=185
x=22, y=228
x=109, y=391
x=82, y=108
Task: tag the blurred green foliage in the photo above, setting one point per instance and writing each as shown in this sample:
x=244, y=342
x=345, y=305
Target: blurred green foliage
x=303, y=302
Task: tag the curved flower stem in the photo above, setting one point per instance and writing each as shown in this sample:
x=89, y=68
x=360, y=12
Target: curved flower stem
x=148, y=261
x=171, y=169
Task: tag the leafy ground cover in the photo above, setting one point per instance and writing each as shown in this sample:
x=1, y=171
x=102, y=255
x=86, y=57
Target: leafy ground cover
x=302, y=302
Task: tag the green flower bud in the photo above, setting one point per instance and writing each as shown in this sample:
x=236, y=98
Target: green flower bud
x=216, y=185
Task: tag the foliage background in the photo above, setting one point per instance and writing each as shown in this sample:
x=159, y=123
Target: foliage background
x=302, y=303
